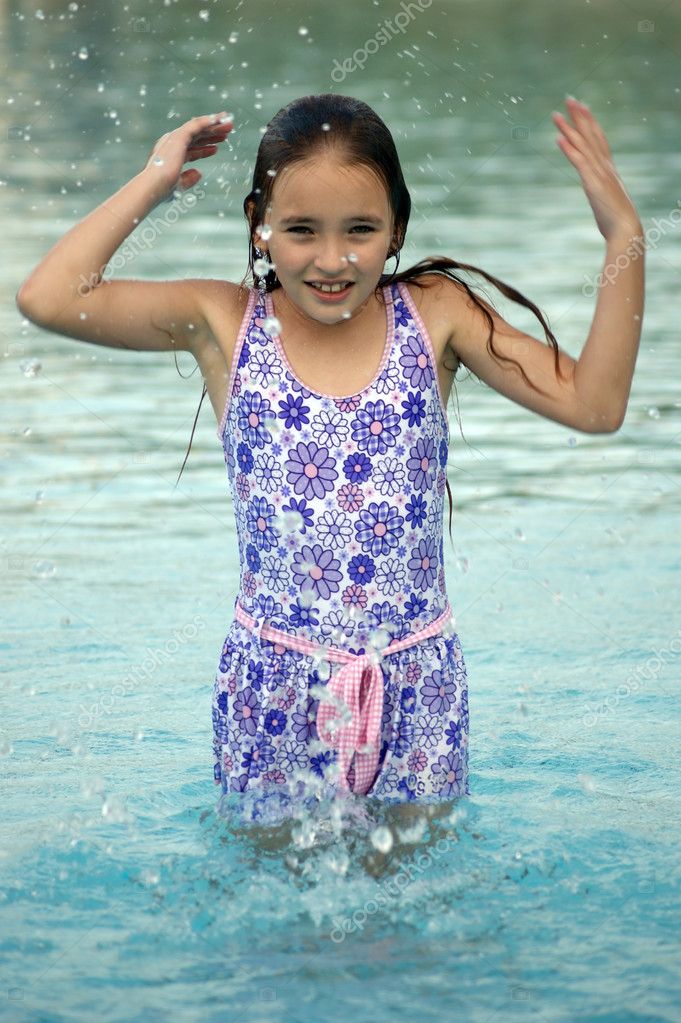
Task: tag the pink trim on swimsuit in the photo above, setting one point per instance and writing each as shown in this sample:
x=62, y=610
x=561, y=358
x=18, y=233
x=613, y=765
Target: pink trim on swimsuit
x=408, y=300
x=245, y=323
x=361, y=735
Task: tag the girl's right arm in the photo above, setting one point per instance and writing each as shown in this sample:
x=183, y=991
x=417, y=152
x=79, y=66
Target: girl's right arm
x=66, y=294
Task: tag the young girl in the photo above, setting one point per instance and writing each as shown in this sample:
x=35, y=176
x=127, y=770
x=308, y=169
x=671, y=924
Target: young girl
x=341, y=671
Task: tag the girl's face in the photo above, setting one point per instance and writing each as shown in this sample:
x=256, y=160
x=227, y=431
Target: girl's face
x=331, y=223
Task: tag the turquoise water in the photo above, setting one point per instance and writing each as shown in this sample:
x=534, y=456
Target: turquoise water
x=552, y=892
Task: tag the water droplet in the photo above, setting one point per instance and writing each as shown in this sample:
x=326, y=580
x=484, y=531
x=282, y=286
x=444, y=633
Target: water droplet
x=26, y=432
x=449, y=627
x=352, y=257
x=572, y=441
x=83, y=53
x=322, y=667
x=271, y=325
x=39, y=496
x=272, y=173
x=265, y=231
x=346, y=315
x=306, y=597
x=44, y=569
x=204, y=15
x=302, y=31
x=654, y=412
x=29, y=367
x=158, y=160
x=262, y=267
x=382, y=839
x=291, y=521
x=379, y=638
x=326, y=126
x=233, y=36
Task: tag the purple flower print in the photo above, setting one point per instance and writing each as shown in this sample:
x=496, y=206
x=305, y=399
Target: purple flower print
x=415, y=409
x=408, y=700
x=379, y=528
x=294, y=412
x=361, y=569
x=275, y=722
x=423, y=564
x=254, y=674
x=416, y=363
x=252, y=557
x=438, y=692
x=404, y=738
x=401, y=313
x=414, y=607
x=375, y=427
x=244, y=458
x=297, y=386
x=316, y=570
x=244, y=354
x=300, y=508
x=260, y=518
x=453, y=734
x=449, y=768
x=421, y=463
x=246, y=710
x=304, y=725
x=416, y=510
x=253, y=413
x=258, y=759
x=444, y=451
x=322, y=760
x=303, y=617
x=310, y=469
x=357, y=468
x=385, y=616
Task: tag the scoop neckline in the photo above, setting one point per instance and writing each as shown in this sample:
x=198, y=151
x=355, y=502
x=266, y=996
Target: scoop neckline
x=387, y=347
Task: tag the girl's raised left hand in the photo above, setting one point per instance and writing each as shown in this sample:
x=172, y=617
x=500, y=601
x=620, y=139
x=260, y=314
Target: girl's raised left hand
x=586, y=147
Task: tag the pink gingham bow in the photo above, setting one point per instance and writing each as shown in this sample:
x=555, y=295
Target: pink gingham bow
x=364, y=727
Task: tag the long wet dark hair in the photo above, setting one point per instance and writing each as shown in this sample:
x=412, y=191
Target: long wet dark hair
x=309, y=127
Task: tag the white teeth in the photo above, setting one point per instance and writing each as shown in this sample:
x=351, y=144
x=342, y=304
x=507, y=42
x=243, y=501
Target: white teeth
x=330, y=287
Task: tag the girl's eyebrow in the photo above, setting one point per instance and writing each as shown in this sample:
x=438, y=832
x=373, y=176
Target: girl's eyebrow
x=312, y=220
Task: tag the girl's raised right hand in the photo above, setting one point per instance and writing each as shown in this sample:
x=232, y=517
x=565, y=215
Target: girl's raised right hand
x=193, y=140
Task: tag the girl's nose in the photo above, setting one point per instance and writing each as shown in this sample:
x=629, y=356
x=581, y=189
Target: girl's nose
x=331, y=260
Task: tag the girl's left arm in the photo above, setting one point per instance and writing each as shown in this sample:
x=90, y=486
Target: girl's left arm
x=594, y=390
x=605, y=368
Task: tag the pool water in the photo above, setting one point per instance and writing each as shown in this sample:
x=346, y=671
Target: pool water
x=128, y=888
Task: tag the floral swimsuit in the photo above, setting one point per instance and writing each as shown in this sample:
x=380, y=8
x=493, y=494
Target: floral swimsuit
x=339, y=521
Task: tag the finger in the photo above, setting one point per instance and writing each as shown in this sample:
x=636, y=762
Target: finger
x=572, y=135
x=585, y=120
x=200, y=152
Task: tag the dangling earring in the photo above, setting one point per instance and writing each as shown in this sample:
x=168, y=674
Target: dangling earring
x=260, y=271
